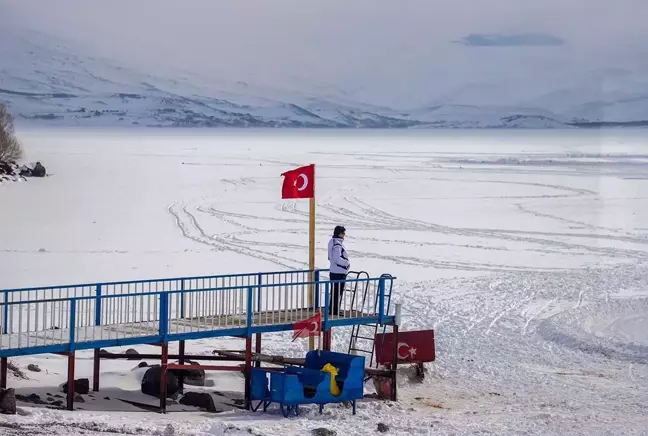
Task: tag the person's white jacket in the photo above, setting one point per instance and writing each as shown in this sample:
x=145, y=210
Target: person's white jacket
x=338, y=257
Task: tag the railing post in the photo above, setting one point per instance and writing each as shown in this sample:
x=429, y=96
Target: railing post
x=250, y=297
x=381, y=300
x=182, y=298
x=5, y=320
x=317, y=289
x=259, y=288
x=327, y=302
x=164, y=316
x=98, y=305
x=73, y=308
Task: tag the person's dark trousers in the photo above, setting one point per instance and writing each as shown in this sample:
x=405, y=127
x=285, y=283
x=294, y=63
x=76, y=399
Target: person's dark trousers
x=336, y=294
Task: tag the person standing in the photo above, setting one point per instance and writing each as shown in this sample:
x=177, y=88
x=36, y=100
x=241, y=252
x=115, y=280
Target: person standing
x=338, y=269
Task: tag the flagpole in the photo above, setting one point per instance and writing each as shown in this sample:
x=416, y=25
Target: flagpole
x=311, y=258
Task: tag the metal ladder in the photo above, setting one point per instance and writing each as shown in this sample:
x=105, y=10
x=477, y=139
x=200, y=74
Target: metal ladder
x=366, y=333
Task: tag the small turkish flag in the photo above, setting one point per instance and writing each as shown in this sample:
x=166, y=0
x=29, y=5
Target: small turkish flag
x=309, y=327
x=299, y=183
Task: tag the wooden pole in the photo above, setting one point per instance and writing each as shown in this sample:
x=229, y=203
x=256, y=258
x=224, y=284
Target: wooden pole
x=311, y=260
x=248, y=373
x=3, y=372
x=70, y=383
x=164, y=376
x=96, y=369
x=181, y=361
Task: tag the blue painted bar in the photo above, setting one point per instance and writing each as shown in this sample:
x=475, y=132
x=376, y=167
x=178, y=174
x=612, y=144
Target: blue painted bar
x=138, y=282
x=250, y=310
x=381, y=298
x=73, y=307
x=164, y=315
x=6, y=312
x=317, y=287
x=98, y=306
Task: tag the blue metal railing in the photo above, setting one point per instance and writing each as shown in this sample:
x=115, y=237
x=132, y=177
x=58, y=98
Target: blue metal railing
x=109, y=319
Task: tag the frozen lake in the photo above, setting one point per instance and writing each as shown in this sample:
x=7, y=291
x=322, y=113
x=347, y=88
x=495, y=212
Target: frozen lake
x=525, y=250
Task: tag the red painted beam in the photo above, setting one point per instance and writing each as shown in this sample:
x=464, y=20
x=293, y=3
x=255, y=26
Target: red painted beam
x=4, y=365
x=96, y=370
x=239, y=368
x=70, y=383
x=163, y=377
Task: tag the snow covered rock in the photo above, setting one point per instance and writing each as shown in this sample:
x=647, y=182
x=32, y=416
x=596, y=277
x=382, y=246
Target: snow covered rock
x=382, y=428
x=193, y=377
x=8, y=401
x=33, y=368
x=203, y=400
x=132, y=354
x=323, y=432
x=152, y=379
x=81, y=386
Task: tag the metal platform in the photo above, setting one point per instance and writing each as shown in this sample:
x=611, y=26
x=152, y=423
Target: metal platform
x=63, y=319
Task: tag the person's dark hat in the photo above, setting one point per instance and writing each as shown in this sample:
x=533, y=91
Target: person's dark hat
x=338, y=231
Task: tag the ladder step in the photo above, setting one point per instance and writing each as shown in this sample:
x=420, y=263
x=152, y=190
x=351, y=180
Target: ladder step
x=361, y=350
x=364, y=337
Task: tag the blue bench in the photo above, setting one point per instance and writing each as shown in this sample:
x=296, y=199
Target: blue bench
x=295, y=386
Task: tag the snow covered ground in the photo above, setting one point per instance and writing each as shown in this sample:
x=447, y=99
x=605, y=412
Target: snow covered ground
x=525, y=251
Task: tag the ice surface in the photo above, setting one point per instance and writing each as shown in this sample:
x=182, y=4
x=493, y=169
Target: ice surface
x=527, y=254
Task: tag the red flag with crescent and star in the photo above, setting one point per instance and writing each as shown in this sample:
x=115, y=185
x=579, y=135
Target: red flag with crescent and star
x=308, y=327
x=299, y=183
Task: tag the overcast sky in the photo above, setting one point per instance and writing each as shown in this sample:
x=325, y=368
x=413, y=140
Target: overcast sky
x=405, y=50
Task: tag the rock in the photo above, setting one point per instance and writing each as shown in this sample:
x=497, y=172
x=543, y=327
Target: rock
x=33, y=368
x=39, y=170
x=151, y=382
x=103, y=352
x=107, y=398
x=323, y=432
x=8, y=401
x=382, y=428
x=202, y=400
x=193, y=377
x=78, y=399
x=132, y=354
x=58, y=403
x=31, y=398
x=142, y=365
x=81, y=386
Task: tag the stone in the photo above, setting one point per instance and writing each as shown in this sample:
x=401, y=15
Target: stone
x=58, y=403
x=81, y=386
x=142, y=365
x=8, y=401
x=152, y=379
x=382, y=428
x=33, y=368
x=323, y=432
x=132, y=354
x=202, y=400
x=31, y=398
x=78, y=399
x=103, y=352
x=193, y=377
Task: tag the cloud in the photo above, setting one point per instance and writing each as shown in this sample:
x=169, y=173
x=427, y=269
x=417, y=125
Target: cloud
x=519, y=40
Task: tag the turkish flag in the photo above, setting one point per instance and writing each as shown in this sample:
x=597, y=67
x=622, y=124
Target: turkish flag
x=299, y=183
x=308, y=327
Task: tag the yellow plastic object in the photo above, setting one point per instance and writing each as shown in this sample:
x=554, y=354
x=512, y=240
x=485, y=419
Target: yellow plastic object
x=335, y=389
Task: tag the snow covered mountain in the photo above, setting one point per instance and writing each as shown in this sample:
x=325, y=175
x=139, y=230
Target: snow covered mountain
x=44, y=81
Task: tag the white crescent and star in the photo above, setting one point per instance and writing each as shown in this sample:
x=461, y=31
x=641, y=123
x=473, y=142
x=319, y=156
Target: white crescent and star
x=304, y=179
x=410, y=352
